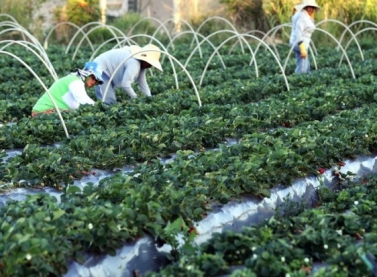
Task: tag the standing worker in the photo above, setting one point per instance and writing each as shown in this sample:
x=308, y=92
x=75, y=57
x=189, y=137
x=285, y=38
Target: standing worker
x=127, y=64
x=70, y=91
x=302, y=31
x=296, y=12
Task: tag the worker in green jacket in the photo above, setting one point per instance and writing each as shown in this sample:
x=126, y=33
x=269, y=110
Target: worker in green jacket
x=70, y=91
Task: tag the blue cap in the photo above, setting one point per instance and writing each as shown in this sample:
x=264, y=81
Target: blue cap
x=93, y=68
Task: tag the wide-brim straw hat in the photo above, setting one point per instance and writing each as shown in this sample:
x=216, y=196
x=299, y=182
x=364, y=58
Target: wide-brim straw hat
x=299, y=7
x=309, y=3
x=149, y=53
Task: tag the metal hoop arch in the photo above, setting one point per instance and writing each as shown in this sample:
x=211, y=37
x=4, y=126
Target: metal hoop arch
x=43, y=85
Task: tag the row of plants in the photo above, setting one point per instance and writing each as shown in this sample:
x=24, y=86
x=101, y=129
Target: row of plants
x=336, y=238
x=154, y=195
x=17, y=101
x=162, y=126
x=282, y=135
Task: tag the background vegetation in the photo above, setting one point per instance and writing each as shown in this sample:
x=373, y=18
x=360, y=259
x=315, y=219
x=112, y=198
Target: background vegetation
x=282, y=135
x=246, y=15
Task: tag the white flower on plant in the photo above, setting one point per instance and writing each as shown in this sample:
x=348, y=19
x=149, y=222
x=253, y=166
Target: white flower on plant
x=255, y=256
x=28, y=257
x=253, y=248
x=338, y=245
x=278, y=115
x=356, y=202
x=90, y=226
x=306, y=260
x=282, y=259
x=366, y=135
x=340, y=232
x=325, y=246
x=287, y=275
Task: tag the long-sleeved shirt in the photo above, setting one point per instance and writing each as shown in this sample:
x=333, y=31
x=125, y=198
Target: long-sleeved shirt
x=129, y=71
x=303, y=27
x=292, y=38
x=68, y=93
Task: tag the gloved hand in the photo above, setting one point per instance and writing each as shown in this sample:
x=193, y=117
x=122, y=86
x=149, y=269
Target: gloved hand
x=303, y=52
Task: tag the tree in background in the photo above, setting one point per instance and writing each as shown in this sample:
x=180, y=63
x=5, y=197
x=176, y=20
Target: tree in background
x=80, y=12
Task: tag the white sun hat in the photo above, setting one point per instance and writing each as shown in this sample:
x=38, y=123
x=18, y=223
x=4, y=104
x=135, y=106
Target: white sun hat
x=309, y=3
x=149, y=53
x=299, y=7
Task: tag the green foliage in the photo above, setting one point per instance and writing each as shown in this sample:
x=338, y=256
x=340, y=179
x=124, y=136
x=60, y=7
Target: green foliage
x=134, y=24
x=81, y=12
x=249, y=14
x=263, y=15
x=101, y=34
x=209, y=27
x=281, y=135
x=22, y=12
x=78, y=12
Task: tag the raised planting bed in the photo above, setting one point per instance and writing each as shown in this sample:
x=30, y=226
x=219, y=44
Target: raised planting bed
x=326, y=119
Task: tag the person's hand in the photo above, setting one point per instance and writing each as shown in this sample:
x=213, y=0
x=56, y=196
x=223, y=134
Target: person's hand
x=303, y=52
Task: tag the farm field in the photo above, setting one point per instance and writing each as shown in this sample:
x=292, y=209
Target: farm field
x=285, y=127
